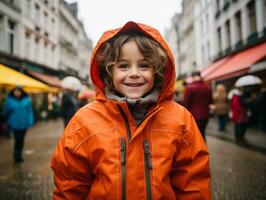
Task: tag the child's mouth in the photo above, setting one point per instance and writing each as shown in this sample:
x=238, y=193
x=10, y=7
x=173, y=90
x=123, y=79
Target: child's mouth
x=134, y=84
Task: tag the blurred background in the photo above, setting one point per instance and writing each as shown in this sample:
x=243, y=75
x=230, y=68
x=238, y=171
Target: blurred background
x=45, y=48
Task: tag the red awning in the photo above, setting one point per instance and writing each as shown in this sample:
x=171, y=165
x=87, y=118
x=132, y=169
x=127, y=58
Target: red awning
x=50, y=80
x=239, y=63
x=213, y=66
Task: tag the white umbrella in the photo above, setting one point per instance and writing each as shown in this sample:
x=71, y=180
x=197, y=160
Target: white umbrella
x=247, y=80
x=71, y=83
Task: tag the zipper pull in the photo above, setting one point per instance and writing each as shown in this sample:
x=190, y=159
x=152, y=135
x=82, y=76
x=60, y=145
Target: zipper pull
x=123, y=151
x=147, y=153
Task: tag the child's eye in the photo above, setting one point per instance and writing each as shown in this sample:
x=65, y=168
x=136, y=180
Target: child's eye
x=144, y=66
x=122, y=66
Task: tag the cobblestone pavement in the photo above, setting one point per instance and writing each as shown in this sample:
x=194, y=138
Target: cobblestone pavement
x=255, y=139
x=237, y=173
x=32, y=179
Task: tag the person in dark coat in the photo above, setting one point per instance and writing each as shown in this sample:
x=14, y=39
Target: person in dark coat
x=262, y=106
x=69, y=106
x=18, y=109
x=197, y=99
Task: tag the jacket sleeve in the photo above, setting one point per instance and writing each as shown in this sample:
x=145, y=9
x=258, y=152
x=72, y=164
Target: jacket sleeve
x=190, y=176
x=72, y=174
x=7, y=107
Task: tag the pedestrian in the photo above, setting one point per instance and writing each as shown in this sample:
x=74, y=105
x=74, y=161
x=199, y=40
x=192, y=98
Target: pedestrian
x=221, y=106
x=197, y=99
x=239, y=113
x=18, y=109
x=69, y=105
x=261, y=103
x=133, y=141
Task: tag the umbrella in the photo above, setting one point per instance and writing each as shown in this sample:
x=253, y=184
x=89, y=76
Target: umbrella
x=247, y=80
x=71, y=83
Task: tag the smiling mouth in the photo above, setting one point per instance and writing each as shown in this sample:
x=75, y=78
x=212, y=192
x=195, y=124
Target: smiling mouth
x=134, y=84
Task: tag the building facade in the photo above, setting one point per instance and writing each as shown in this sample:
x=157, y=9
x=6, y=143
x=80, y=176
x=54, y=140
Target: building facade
x=171, y=36
x=31, y=35
x=238, y=24
x=184, y=47
x=204, y=32
x=218, y=30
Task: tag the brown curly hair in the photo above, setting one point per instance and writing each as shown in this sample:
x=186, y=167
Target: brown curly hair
x=109, y=54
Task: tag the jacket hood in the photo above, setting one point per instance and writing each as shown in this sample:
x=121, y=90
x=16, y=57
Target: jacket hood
x=167, y=91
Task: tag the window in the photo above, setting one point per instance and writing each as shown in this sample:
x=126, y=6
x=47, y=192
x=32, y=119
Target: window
x=11, y=37
x=201, y=27
x=238, y=26
x=46, y=22
x=52, y=25
x=28, y=8
x=208, y=51
x=219, y=37
x=252, y=17
x=207, y=23
x=37, y=14
x=228, y=33
x=1, y=32
x=217, y=4
x=27, y=44
x=37, y=49
x=46, y=51
x=52, y=54
x=203, y=54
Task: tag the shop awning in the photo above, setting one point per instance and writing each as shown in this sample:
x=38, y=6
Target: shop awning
x=239, y=63
x=10, y=78
x=213, y=66
x=48, y=79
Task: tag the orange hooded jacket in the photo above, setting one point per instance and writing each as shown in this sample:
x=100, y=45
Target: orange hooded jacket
x=103, y=155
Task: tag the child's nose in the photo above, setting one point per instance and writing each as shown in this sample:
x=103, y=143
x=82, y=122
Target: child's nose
x=134, y=71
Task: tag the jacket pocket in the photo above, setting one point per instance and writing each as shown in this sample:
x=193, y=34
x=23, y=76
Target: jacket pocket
x=148, y=167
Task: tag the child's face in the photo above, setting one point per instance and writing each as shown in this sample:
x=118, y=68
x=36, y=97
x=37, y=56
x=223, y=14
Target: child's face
x=132, y=76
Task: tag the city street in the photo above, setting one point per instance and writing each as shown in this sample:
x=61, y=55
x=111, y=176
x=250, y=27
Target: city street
x=237, y=172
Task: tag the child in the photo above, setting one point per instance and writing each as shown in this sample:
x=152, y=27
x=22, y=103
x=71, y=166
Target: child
x=133, y=141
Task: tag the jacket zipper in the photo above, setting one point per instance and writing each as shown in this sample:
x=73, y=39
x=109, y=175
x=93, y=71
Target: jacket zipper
x=148, y=167
x=123, y=164
x=126, y=122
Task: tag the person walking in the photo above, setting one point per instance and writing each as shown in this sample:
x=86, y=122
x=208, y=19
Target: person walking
x=133, y=141
x=197, y=99
x=240, y=108
x=18, y=109
x=69, y=105
x=221, y=106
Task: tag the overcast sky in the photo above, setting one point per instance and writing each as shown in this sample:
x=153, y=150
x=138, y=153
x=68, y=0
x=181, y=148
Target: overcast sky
x=101, y=15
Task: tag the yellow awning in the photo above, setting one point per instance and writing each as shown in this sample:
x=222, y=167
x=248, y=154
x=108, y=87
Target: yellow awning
x=10, y=78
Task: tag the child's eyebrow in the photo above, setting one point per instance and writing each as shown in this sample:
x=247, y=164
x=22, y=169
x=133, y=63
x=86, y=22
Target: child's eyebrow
x=125, y=60
x=122, y=60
